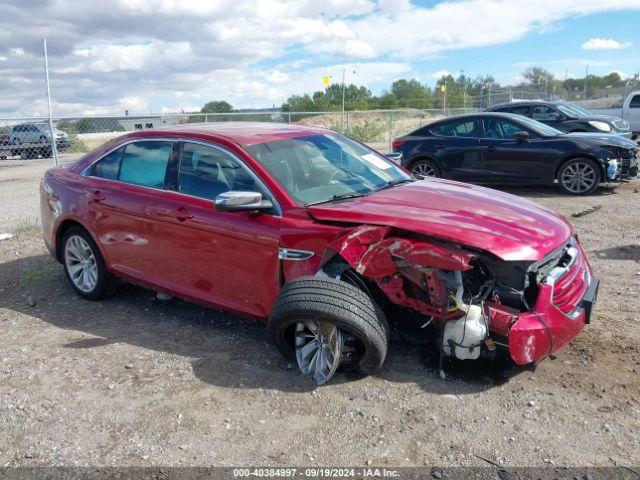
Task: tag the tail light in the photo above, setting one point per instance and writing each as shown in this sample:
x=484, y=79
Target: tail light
x=396, y=144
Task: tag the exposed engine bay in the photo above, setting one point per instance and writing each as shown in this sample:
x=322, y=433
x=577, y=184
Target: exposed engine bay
x=475, y=298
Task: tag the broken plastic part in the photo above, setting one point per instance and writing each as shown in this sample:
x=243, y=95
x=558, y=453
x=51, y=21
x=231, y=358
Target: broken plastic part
x=405, y=268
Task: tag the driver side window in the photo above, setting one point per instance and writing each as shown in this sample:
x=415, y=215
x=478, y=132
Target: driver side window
x=543, y=113
x=206, y=172
x=500, y=129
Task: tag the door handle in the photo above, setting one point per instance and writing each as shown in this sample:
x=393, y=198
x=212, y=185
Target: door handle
x=97, y=196
x=183, y=214
x=440, y=146
x=491, y=148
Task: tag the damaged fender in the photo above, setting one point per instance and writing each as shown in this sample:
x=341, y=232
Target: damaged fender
x=403, y=267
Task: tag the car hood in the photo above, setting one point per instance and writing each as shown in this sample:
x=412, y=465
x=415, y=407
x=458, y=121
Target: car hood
x=611, y=139
x=507, y=226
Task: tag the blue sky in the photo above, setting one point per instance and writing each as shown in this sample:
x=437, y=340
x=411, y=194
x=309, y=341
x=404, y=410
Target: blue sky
x=162, y=55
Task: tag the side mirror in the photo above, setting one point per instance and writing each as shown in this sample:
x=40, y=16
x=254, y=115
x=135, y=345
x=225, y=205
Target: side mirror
x=237, y=201
x=521, y=137
x=555, y=116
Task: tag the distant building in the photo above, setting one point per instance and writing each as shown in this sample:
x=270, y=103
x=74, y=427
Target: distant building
x=144, y=123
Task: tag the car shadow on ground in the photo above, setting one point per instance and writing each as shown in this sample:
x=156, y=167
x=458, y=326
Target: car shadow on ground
x=226, y=350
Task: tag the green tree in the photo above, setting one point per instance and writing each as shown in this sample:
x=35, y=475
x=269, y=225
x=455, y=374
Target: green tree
x=412, y=93
x=535, y=75
x=216, y=106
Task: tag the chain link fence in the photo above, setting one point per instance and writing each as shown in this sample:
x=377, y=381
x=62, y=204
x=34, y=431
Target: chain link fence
x=31, y=138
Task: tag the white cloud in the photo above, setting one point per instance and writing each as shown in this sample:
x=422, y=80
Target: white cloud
x=173, y=54
x=604, y=44
x=417, y=32
x=439, y=74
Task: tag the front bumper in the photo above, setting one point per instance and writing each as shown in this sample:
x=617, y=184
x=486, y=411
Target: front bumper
x=552, y=323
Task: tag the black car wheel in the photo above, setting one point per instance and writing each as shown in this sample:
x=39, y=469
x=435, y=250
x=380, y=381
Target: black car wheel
x=425, y=168
x=325, y=323
x=579, y=176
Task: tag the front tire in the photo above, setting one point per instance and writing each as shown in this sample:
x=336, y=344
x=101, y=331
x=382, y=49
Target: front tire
x=84, y=266
x=324, y=322
x=426, y=168
x=579, y=176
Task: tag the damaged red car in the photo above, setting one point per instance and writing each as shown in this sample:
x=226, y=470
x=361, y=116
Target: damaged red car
x=322, y=239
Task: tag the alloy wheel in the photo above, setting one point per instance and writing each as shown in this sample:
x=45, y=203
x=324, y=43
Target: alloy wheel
x=578, y=177
x=424, y=170
x=318, y=349
x=81, y=264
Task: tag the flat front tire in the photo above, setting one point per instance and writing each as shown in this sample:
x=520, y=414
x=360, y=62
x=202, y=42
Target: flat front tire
x=84, y=266
x=324, y=323
x=579, y=176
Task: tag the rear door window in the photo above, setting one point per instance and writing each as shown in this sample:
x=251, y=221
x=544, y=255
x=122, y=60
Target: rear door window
x=521, y=110
x=460, y=128
x=108, y=166
x=145, y=163
x=139, y=163
x=635, y=102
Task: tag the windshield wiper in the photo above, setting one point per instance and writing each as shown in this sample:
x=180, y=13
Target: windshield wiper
x=342, y=196
x=393, y=183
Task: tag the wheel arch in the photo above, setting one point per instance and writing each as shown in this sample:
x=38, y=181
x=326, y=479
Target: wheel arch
x=574, y=156
x=64, y=226
x=424, y=156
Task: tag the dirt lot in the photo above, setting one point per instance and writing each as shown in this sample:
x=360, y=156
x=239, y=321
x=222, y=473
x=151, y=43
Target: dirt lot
x=135, y=381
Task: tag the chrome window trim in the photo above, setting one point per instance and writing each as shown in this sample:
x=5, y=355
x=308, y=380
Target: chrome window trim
x=85, y=171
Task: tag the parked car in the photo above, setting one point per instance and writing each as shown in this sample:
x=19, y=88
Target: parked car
x=627, y=108
x=503, y=148
x=566, y=117
x=322, y=239
x=37, y=133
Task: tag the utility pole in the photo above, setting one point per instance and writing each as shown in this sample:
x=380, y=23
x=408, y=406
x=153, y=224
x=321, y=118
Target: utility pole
x=343, y=94
x=586, y=76
x=54, y=150
x=464, y=90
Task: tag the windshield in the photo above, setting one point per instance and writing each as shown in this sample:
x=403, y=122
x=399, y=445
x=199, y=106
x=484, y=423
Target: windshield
x=317, y=168
x=539, y=127
x=573, y=111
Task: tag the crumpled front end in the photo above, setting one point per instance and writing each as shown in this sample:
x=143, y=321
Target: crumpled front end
x=565, y=299
x=480, y=301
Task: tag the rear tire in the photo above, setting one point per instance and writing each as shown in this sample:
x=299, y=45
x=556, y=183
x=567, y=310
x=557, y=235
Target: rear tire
x=579, y=176
x=330, y=302
x=80, y=254
x=426, y=168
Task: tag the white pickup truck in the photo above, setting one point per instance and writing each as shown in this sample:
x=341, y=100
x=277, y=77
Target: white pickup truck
x=627, y=108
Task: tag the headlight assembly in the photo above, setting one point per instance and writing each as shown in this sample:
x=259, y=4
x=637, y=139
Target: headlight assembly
x=602, y=126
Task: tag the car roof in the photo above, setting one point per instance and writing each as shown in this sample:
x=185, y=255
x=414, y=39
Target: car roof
x=511, y=116
x=244, y=133
x=516, y=103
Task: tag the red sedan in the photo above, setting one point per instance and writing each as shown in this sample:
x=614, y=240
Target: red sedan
x=322, y=239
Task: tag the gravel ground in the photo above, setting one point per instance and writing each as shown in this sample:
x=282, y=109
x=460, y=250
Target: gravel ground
x=138, y=382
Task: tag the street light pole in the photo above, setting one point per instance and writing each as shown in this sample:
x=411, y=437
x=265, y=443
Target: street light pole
x=54, y=150
x=343, y=94
x=586, y=76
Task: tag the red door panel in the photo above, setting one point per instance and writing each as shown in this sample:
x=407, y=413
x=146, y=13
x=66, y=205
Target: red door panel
x=229, y=259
